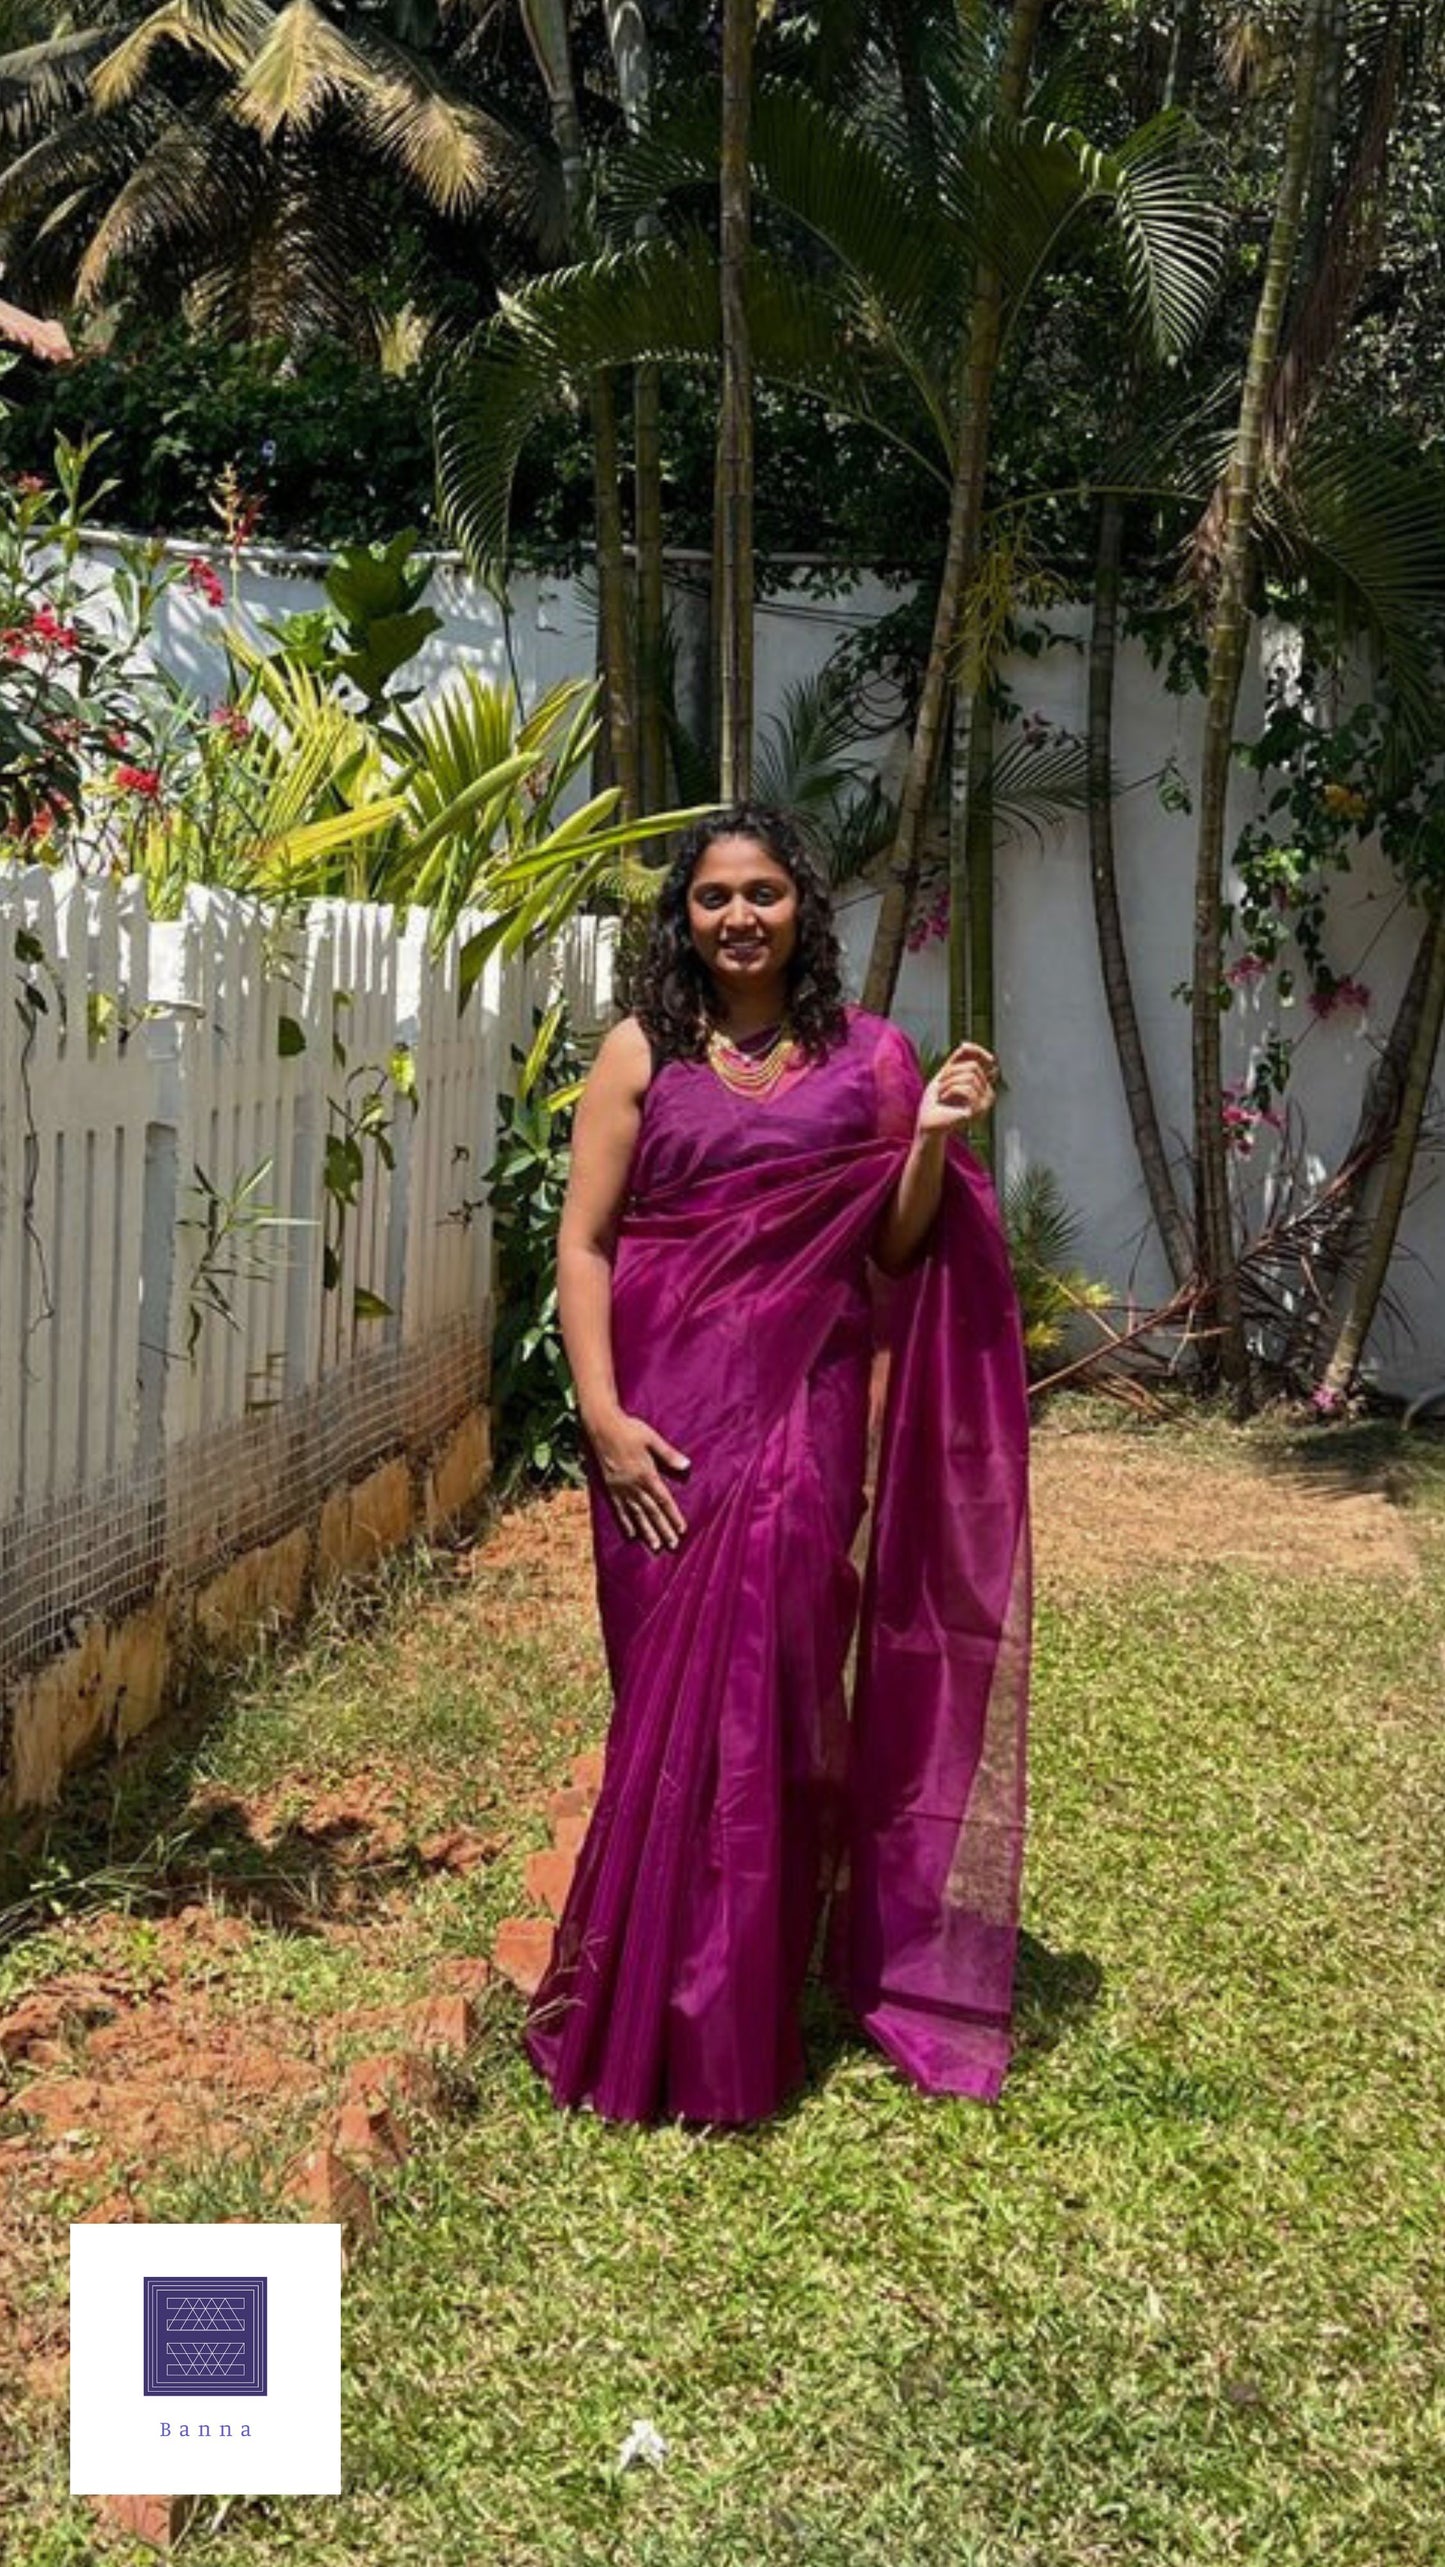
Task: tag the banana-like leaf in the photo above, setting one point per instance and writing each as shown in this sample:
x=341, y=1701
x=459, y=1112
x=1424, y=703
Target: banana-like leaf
x=541, y=1046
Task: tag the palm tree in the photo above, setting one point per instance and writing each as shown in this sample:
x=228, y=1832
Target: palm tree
x=872, y=323
x=1369, y=1282
x=630, y=44
x=550, y=37
x=735, y=418
x=252, y=160
x=1228, y=638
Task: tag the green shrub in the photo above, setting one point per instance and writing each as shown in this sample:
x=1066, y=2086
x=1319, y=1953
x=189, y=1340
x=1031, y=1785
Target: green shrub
x=537, y=1437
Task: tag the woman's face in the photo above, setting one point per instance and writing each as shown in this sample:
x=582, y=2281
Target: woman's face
x=742, y=908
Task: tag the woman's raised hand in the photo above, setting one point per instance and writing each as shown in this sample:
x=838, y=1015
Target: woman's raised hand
x=962, y=1088
x=641, y=1499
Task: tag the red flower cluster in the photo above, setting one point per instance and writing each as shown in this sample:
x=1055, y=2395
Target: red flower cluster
x=144, y=782
x=230, y=719
x=203, y=575
x=42, y=631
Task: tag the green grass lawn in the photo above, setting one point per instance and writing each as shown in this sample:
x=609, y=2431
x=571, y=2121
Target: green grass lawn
x=1177, y=2298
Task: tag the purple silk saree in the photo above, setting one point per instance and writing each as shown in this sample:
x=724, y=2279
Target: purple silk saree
x=739, y=1791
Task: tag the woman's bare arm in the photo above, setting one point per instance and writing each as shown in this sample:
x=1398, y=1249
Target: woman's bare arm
x=961, y=1089
x=629, y=1449
x=913, y=1205
x=604, y=1135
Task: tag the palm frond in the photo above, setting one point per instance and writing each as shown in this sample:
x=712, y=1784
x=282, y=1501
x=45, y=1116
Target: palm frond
x=189, y=187
x=803, y=761
x=40, y=82
x=656, y=299
x=225, y=32
x=1034, y=181
x=904, y=258
x=1364, y=520
x=1035, y=787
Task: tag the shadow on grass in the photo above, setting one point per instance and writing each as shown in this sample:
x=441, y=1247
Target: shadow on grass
x=145, y=1830
x=1054, y=1992
x=1370, y=1455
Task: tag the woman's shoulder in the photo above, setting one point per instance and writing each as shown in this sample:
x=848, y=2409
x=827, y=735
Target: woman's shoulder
x=877, y=1033
x=627, y=1052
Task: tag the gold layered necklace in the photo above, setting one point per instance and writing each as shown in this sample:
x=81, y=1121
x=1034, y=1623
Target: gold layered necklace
x=753, y=1073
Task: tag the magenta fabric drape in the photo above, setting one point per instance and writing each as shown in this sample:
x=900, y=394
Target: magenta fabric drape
x=741, y=1789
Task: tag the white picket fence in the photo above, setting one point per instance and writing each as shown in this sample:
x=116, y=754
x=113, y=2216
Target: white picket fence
x=149, y=1070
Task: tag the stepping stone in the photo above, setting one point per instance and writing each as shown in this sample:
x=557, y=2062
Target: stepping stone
x=158, y=2520
x=570, y=1801
x=549, y=1878
x=446, y=2022
x=587, y=1769
x=396, y=2076
x=522, y=1950
x=569, y=1830
x=370, y=2131
x=325, y=2189
x=470, y=1974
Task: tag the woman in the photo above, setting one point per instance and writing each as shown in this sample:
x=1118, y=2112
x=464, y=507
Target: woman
x=746, y=1145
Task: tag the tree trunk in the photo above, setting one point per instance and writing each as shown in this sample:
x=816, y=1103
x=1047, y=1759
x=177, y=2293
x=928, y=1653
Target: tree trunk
x=1183, y=55
x=1330, y=288
x=1103, y=874
x=1369, y=1283
x=960, y=564
x=972, y=1006
x=651, y=600
x=735, y=425
x=613, y=607
x=1376, y=1122
x=912, y=86
x=1228, y=637
x=547, y=32
x=627, y=35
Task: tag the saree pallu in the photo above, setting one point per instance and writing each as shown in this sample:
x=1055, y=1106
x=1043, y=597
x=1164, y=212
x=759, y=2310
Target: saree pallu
x=741, y=1792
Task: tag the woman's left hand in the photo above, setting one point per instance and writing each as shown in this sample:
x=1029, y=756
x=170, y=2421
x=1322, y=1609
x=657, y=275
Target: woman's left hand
x=962, y=1088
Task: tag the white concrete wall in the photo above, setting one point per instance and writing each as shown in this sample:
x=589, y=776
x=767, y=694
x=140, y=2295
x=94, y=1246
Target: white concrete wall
x=1063, y=1102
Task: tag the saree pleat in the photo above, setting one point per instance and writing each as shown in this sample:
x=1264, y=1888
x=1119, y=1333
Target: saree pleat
x=738, y=1790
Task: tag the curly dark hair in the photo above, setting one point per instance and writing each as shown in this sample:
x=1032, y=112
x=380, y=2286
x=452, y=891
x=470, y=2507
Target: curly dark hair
x=673, y=985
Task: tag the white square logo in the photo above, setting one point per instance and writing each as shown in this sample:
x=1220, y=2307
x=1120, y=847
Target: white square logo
x=205, y=2359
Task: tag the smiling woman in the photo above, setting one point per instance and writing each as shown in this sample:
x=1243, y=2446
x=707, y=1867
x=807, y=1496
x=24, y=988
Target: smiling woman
x=747, y=1145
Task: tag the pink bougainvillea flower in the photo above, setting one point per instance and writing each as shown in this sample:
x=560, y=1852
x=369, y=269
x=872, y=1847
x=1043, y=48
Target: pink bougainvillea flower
x=145, y=782
x=203, y=575
x=1337, y=994
x=28, y=484
x=1325, y=1401
x=1249, y=967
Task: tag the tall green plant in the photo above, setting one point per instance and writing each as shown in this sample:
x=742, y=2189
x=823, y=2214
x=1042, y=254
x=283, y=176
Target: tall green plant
x=534, y=1403
x=1228, y=635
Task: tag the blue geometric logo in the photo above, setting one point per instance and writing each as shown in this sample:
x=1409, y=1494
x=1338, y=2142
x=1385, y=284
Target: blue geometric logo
x=205, y=2335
